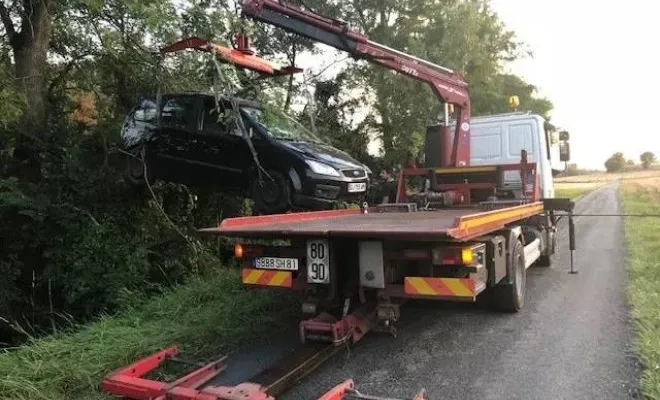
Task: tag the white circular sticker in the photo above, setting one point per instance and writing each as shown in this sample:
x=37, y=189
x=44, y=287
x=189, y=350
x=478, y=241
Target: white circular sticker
x=465, y=126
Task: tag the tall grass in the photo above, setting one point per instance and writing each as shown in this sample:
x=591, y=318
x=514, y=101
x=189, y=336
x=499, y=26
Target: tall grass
x=204, y=317
x=643, y=241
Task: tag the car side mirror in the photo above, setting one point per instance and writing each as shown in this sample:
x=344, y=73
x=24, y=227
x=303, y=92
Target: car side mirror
x=564, y=152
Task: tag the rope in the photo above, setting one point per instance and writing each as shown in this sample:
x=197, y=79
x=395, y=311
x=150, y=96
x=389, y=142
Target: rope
x=614, y=215
x=239, y=121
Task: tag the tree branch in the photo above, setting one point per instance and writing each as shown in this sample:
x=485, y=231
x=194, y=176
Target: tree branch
x=7, y=22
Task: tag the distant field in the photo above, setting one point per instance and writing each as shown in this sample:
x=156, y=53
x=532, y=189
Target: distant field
x=603, y=177
x=575, y=186
x=641, y=195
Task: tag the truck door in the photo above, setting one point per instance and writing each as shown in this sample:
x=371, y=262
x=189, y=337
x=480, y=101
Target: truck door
x=221, y=149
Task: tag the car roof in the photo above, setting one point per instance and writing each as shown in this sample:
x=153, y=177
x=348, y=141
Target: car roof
x=241, y=101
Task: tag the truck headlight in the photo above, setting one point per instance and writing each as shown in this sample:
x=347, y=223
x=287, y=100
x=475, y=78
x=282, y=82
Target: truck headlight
x=322, y=169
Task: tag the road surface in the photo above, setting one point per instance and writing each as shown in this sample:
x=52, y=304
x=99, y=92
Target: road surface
x=572, y=340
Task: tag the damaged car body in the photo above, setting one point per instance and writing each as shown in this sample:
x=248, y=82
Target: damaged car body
x=196, y=139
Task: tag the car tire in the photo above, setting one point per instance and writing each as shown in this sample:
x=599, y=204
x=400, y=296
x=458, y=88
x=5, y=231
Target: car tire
x=134, y=173
x=510, y=297
x=272, y=193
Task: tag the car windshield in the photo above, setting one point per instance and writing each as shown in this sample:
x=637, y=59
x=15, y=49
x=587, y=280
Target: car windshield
x=280, y=126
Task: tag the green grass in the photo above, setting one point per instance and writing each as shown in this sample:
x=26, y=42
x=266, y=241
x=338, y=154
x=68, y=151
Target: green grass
x=205, y=317
x=571, y=192
x=643, y=241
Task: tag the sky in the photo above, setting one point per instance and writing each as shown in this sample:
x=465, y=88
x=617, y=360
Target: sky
x=599, y=63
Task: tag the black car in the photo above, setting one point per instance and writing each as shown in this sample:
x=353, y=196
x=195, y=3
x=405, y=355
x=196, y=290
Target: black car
x=196, y=139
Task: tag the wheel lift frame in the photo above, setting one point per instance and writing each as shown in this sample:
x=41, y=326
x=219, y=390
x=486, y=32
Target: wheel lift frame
x=130, y=382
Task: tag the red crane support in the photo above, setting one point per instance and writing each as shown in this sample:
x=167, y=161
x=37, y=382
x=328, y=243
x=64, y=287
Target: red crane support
x=448, y=85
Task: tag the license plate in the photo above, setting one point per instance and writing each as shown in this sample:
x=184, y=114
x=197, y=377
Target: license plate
x=284, y=264
x=357, y=187
x=318, y=261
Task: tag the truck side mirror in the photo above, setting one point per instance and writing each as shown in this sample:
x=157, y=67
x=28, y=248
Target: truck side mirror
x=564, y=152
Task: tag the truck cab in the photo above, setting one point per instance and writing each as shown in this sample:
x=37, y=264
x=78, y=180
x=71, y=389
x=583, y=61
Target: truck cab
x=498, y=140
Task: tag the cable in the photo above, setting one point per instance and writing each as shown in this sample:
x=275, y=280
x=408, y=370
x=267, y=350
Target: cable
x=613, y=215
x=239, y=122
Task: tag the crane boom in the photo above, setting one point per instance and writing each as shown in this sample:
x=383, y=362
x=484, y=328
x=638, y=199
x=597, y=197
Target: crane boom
x=447, y=84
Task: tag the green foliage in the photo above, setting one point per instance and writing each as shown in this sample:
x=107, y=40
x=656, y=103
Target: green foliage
x=647, y=158
x=204, y=317
x=615, y=163
x=465, y=36
x=76, y=241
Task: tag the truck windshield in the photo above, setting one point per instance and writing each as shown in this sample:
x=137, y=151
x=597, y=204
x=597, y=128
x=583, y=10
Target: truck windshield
x=280, y=126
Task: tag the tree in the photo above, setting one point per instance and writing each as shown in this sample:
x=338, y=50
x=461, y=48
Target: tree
x=615, y=163
x=29, y=44
x=465, y=36
x=647, y=158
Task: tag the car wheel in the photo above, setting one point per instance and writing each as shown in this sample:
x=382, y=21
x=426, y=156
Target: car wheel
x=271, y=193
x=134, y=174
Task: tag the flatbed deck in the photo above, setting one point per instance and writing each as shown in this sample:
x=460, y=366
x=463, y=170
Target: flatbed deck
x=457, y=224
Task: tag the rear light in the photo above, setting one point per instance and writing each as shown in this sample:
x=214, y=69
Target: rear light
x=454, y=256
x=242, y=250
x=467, y=257
x=238, y=251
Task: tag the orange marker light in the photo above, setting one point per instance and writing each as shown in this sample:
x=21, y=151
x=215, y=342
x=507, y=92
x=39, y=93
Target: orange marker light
x=238, y=251
x=466, y=256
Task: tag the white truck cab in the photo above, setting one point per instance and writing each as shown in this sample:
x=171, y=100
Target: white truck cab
x=499, y=139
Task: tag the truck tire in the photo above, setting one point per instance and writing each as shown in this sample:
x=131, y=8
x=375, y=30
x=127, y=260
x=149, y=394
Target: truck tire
x=510, y=297
x=271, y=195
x=545, y=260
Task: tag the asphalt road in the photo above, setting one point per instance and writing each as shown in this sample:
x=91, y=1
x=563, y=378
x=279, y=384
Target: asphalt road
x=572, y=340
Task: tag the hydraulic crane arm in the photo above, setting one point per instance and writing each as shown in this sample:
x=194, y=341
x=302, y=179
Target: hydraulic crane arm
x=448, y=85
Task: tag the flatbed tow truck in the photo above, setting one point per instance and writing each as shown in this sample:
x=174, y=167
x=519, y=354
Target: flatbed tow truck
x=461, y=238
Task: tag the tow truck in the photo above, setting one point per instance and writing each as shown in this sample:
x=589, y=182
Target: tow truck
x=457, y=237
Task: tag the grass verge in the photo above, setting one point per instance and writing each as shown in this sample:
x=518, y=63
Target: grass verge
x=643, y=241
x=571, y=192
x=205, y=317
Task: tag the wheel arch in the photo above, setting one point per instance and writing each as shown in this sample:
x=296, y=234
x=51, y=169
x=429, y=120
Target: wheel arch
x=513, y=235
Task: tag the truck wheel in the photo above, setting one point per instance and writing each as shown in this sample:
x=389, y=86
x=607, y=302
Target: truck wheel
x=271, y=195
x=546, y=260
x=510, y=297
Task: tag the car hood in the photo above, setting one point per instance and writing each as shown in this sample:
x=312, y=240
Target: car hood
x=324, y=153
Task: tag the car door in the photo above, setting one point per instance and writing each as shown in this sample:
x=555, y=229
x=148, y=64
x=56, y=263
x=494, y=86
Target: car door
x=221, y=146
x=177, y=130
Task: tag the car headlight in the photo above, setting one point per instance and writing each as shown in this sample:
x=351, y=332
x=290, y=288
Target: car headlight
x=322, y=169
